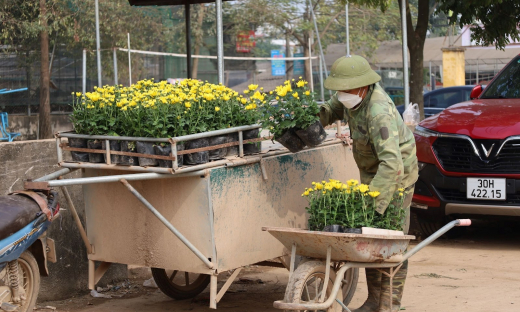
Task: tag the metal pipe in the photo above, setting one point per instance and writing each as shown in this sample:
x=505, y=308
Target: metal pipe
x=116, y=167
x=167, y=224
x=188, y=38
x=54, y=175
x=476, y=82
x=405, y=54
x=84, y=73
x=322, y=90
x=175, y=163
x=98, y=45
x=129, y=177
x=115, y=67
x=310, y=65
x=220, y=42
x=107, y=152
x=241, y=144
x=59, y=151
x=318, y=36
x=129, y=62
x=76, y=218
x=214, y=133
x=430, y=71
x=347, y=30
x=174, y=139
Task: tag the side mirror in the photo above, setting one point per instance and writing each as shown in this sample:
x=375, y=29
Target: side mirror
x=476, y=92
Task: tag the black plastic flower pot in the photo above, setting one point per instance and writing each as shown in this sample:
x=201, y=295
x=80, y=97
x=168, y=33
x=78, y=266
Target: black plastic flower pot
x=94, y=157
x=291, y=141
x=199, y=157
x=114, y=146
x=166, y=151
x=221, y=152
x=352, y=230
x=146, y=148
x=232, y=150
x=128, y=146
x=313, y=135
x=79, y=143
x=336, y=228
x=251, y=148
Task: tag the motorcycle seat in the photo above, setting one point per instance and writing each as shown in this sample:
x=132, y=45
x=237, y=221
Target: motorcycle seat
x=16, y=211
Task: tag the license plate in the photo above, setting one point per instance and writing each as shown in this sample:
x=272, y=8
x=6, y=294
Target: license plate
x=486, y=188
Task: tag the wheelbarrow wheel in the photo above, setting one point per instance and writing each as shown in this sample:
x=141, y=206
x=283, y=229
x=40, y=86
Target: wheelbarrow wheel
x=180, y=285
x=306, y=284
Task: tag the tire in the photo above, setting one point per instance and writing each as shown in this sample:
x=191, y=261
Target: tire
x=427, y=227
x=172, y=286
x=349, y=288
x=300, y=287
x=28, y=279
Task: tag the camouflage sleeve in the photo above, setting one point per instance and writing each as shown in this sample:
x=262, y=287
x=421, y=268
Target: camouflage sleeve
x=384, y=135
x=331, y=111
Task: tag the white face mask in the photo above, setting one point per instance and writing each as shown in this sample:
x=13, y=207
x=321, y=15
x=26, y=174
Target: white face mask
x=349, y=100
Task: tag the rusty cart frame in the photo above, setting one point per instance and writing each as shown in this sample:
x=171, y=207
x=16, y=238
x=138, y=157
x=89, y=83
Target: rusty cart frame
x=214, y=210
x=343, y=252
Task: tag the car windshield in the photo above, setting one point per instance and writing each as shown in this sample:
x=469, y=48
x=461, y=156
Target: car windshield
x=507, y=85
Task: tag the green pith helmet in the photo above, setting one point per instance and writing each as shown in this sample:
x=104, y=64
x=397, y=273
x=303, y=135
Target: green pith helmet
x=350, y=72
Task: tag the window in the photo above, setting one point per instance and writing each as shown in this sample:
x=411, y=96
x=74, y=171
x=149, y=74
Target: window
x=445, y=99
x=507, y=84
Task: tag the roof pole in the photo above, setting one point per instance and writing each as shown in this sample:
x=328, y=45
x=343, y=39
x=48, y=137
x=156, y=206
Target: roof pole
x=220, y=42
x=405, y=55
x=98, y=46
x=188, y=39
x=346, y=27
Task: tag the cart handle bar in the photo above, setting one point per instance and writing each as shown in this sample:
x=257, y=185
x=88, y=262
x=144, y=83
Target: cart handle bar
x=280, y=304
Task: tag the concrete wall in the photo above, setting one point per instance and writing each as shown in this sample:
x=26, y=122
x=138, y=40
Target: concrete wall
x=28, y=125
x=30, y=160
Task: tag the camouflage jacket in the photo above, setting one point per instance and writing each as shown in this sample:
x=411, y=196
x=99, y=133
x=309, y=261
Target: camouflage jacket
x=384, y=148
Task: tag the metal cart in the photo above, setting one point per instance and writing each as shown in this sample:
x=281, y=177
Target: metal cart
x=205, y=219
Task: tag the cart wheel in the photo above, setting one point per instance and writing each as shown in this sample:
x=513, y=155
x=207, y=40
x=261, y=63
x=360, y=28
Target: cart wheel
x=349, y=285
x=306, y=283
x=180, y=285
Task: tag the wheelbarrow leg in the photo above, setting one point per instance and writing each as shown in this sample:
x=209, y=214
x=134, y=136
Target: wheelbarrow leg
x=392, y=272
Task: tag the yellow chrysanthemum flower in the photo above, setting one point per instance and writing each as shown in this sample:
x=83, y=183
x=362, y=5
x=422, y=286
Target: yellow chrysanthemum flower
x=300, y=83
x=307, y=92
x=374, y=194
x=217, y=108
x=252, y=87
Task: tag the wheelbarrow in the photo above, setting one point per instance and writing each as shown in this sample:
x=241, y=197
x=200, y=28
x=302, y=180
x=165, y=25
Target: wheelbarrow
x=328, y=256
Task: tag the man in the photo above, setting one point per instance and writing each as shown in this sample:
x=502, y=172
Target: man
x=384, y=151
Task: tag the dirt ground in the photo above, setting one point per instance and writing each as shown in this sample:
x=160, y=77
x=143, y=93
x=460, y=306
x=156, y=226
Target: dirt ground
x=476, y=272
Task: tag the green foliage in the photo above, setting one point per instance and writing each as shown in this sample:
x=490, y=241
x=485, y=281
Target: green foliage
x=493, y=21
x=295, y=108
x=351, y=205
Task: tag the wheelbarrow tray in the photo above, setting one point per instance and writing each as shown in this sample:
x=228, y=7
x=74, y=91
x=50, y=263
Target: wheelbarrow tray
x=344, y=246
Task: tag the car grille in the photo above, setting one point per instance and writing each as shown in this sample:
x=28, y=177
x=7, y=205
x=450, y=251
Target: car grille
x=457, y=155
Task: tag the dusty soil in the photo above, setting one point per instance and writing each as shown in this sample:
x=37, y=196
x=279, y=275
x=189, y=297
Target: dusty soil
x=477, y=272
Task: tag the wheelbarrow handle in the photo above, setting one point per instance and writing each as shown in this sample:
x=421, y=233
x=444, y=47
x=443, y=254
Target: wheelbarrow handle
x=463, y=222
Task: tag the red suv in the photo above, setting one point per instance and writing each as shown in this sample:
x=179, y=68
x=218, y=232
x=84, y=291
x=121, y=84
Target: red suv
x=469, y=156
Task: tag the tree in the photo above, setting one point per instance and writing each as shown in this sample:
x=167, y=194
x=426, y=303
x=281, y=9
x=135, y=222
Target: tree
x=494, y=22
x=22, y=22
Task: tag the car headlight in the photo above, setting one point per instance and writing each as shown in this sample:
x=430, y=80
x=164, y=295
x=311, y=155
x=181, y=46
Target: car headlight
x=425, y=132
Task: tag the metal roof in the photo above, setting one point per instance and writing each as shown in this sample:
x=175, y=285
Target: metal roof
x=390, y=53
x=168, y=2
